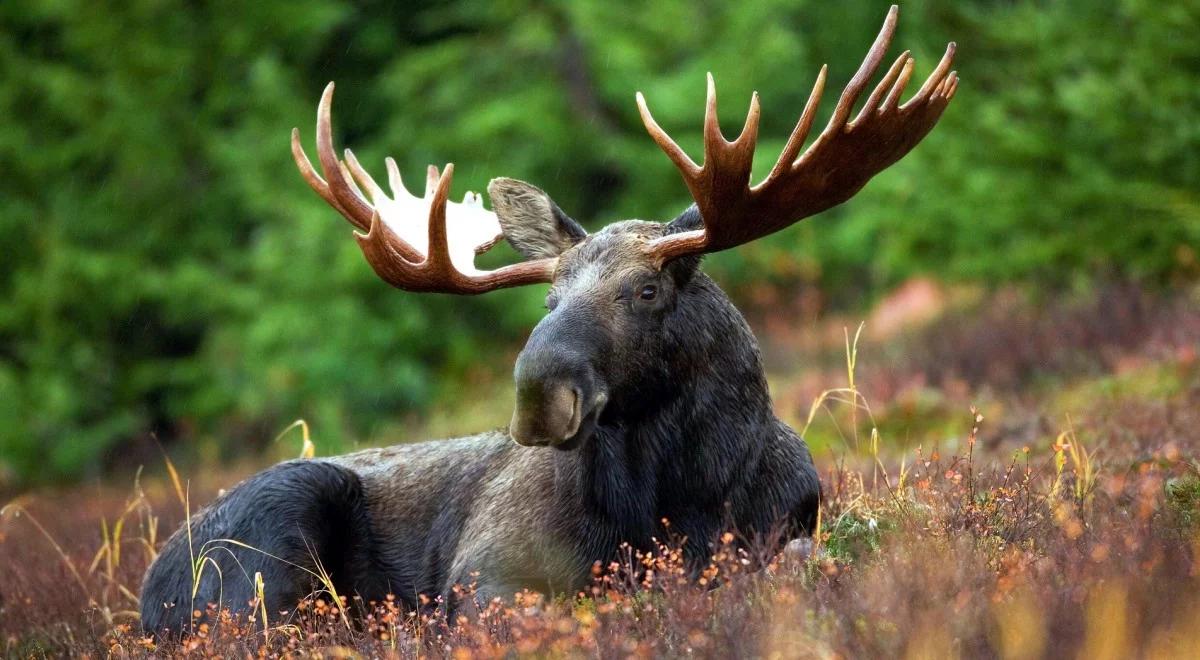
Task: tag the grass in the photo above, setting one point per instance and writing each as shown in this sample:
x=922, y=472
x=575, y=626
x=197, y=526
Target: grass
x=1059, y=517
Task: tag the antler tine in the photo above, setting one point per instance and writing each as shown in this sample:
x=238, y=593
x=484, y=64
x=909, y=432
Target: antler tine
x=885, y=86
x=893, y=96
x=438, y=258
x=379, y=247
x=394, y=180
x=310, y=175
x=726, y=170
x=753, y=117
x=712, y=124
x=431, y=179
x=664, y=141
x=863, y=76
x=740, y=151
x=363, y=177
x=358, y=211
x=941, y=87
x=934, y=79
x=803, y=126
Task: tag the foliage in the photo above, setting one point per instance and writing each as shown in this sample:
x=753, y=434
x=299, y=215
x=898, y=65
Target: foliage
x=166, y=274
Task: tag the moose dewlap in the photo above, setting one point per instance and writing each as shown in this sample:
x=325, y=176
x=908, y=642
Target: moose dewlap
x=640, y=396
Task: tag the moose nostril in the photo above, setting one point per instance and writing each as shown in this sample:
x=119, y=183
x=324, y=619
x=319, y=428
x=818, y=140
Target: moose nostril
x=564, y=413
x=546, y=414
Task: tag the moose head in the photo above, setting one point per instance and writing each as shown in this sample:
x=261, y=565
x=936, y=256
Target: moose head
x=605, y=341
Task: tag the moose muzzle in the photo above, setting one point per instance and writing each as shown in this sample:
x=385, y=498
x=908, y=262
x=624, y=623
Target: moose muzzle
x=556, y=413
x=546, y=414
x=559, y=395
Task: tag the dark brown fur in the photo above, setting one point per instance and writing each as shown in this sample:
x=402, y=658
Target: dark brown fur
x=677, y=425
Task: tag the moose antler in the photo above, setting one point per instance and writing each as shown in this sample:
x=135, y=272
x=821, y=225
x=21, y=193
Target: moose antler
x=837, y=164
x=442, y=257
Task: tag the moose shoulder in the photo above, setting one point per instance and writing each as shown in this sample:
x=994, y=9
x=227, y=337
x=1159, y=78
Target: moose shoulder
x=640, y=396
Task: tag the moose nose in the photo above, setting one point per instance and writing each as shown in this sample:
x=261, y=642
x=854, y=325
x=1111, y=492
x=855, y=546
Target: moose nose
x=546, y=413
x=559, y=392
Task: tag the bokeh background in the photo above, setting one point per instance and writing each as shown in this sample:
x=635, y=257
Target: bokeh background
x=167, y=279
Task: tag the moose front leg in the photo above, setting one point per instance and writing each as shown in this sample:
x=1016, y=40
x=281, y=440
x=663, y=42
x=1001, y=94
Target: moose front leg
x=507, y=564
x=474, y=591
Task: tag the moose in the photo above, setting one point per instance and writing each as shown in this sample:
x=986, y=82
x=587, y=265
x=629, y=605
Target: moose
x=640, y=396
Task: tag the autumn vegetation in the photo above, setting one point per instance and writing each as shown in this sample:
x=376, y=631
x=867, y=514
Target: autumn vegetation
x=1059, y=515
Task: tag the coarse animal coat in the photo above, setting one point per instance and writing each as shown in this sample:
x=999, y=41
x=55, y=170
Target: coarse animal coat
x=687, y=436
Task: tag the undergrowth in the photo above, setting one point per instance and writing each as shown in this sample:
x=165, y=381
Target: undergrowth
x=1083, y=543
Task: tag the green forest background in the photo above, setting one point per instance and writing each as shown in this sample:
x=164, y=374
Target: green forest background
x=167, y=277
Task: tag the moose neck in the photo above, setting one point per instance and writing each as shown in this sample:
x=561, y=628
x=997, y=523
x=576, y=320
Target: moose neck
x=704, y=431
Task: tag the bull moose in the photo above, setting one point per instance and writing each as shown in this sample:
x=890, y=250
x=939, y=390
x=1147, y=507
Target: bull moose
x=640, y=396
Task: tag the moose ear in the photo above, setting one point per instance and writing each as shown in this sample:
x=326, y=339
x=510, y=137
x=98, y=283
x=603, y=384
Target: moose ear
x=532, y=222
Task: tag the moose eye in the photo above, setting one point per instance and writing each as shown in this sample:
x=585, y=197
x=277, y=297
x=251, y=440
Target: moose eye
x=648, y=292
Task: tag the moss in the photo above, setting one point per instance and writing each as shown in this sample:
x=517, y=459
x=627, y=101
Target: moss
x=852, y=537
x=1183, y=502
